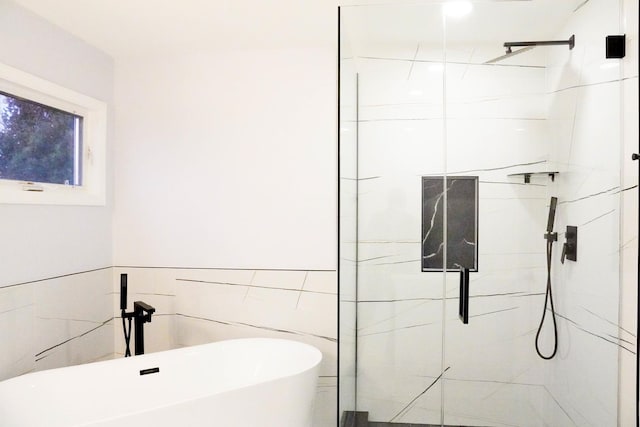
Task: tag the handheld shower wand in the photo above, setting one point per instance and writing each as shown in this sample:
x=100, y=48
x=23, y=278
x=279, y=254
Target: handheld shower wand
x=550, y=236
x=125, y=316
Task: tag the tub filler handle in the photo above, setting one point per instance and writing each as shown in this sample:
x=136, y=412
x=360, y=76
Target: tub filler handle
x=141, y=314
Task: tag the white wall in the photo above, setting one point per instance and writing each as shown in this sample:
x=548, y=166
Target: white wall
x=226, y=198
x=227, y=159
x=39, y=243
x=42, y=238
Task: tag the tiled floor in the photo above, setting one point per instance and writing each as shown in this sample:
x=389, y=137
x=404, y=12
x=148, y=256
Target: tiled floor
x=374, y=424
x=361, y=419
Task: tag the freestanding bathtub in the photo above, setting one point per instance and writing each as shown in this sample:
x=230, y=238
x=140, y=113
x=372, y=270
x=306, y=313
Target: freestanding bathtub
x=237, y=383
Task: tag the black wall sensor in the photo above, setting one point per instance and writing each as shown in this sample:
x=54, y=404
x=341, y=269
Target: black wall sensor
x=616, y=46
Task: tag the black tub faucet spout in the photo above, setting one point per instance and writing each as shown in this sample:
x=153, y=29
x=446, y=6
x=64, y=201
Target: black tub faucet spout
x=141, y=314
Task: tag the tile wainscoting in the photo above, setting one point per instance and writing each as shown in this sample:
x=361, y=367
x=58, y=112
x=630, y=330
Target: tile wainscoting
x=75, y=318
x=55, y=322
x=196, y=306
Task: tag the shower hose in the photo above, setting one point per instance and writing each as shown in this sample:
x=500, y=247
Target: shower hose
x=548, y=299
x=127, y=335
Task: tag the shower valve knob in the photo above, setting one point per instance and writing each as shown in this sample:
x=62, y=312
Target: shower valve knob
x=570, y=247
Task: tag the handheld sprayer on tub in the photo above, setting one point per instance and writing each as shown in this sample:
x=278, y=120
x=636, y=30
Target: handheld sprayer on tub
x=141, y=314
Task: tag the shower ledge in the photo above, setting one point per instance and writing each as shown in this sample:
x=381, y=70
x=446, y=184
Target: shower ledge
x=527, y=175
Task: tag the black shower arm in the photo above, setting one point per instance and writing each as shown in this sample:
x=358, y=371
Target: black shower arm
x=571, y=42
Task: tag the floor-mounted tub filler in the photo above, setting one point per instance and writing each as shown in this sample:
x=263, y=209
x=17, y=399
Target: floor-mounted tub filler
x=235, y=383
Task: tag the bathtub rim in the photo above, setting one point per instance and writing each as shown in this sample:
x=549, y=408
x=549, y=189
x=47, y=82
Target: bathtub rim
x=312, y=366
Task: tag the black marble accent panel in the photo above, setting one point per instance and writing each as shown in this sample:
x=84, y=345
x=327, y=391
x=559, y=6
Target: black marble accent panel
x=462, y=222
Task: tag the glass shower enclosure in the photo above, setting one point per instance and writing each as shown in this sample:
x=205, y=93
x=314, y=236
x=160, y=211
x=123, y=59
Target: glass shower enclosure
x=462, y=125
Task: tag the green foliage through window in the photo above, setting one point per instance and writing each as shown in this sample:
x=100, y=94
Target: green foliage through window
x=38, y=143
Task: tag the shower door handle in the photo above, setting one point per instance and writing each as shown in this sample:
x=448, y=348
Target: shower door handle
x=463, y=305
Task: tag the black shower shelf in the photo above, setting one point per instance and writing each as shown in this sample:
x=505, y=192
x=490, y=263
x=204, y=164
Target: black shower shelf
x=527, y=175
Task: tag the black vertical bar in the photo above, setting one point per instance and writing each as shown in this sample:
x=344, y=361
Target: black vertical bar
x=338, y=228
x=636, y=156
x=123, y=292
x=463, y=304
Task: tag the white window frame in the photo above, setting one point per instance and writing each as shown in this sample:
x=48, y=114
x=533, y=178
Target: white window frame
x=92, y=191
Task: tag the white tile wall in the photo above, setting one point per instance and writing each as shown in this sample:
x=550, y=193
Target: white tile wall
x=629, y=241
x=56, y=322
x=586, y=106
x=399, y=337
x=196, y=306
x=17, y=319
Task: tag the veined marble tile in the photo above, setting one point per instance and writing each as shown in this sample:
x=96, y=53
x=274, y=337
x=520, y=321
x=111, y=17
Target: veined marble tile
x=403, y=398
x=390, y=50
x=299, y=309
x=194, y=331
x=405, y=113
x=524, y=106
x=481, y=403
x=481, y=81
x=317, y=313
x=212, y=300
x=321, y=281
x=158, y=281
x=231, y=277
x=511, y=142
x=390, y=318
x=16, y=318
x=288, y=279
x=383, y=68
x=416, y=146
x=324, y=410
x=59, y=298
x=86, y=347
x=419, y=86
x=73, y=319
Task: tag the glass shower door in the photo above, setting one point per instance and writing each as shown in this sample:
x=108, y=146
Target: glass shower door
x=538, y=123
x=431, y=100
x=397, y=54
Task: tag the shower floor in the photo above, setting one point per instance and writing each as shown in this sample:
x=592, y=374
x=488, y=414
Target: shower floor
x=361, y=419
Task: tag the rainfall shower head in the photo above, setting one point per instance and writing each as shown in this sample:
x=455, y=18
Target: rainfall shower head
x=526, y=46
x=509, y=54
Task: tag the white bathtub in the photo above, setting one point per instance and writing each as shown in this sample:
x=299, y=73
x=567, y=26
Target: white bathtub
x=237, y=383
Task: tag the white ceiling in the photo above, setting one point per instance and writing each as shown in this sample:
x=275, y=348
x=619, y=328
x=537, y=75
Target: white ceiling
x=134, y=27
x=125, y=28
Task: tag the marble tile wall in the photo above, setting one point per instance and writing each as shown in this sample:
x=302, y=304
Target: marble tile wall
x=56, y=322
x=629, y=241
x=489, y=367
x=197, y=306
x=547, y=110
x=586, y=100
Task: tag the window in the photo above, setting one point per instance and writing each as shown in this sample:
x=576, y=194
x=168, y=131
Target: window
x=52, y=142
x=39, y=143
